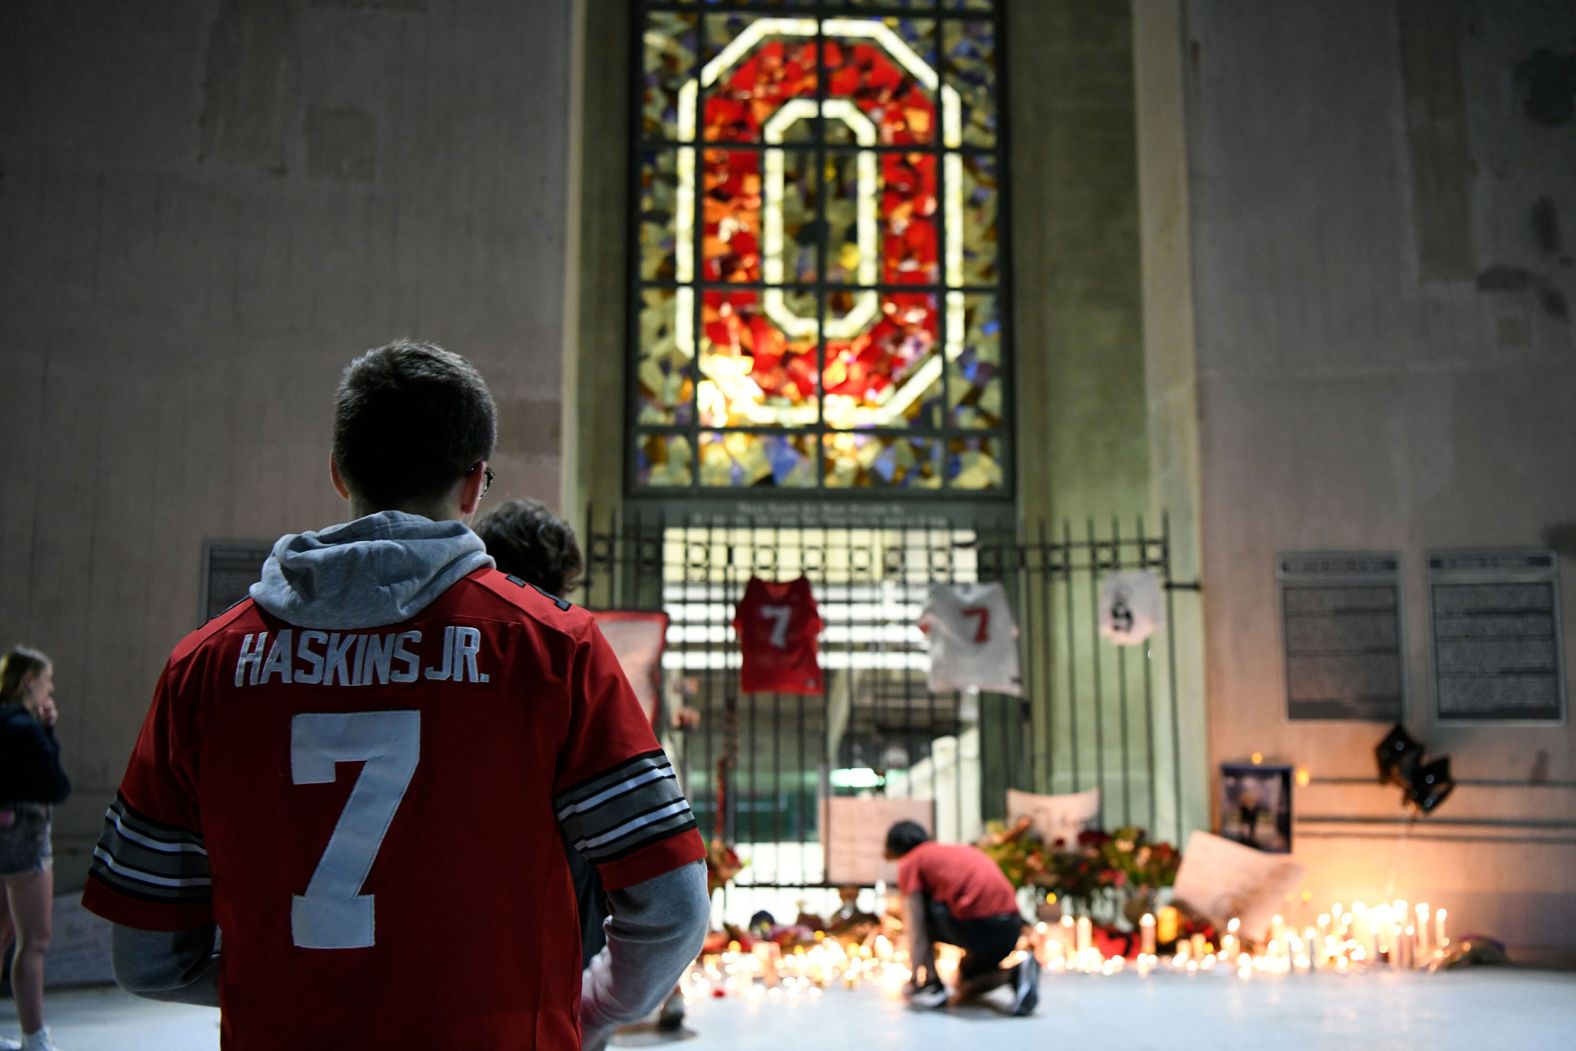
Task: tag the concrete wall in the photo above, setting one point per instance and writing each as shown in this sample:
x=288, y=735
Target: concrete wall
x=1078, y=365
x=1383, y=283
x=208, y=208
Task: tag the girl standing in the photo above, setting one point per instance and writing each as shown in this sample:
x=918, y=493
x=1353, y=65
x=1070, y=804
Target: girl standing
x=31, y=782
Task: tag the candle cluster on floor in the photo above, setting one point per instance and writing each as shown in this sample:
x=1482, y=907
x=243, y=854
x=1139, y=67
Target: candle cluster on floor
x=769, y=971
x=1343, y=940
x=1394, y=934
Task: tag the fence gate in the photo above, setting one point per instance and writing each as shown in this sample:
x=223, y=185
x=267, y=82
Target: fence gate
x=756, y=766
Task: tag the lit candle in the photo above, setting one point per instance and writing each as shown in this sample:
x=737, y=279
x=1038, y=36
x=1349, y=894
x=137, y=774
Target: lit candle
x=1439, y=930
x=1196, y=949
x=1085, y=934
x=1422, y=929
x=1166, y=922
x=1146, y=927
x=1404, y=957
x=1067, y=935
x=1362, y=930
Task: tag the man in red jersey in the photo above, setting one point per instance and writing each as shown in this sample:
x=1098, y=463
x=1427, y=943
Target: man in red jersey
x=359, y=775
x=954, y=893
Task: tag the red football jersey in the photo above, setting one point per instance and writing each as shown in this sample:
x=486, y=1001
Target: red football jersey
x=777, y=625
x=372, y=818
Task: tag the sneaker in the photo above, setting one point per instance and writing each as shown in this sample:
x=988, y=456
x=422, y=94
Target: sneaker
x=7, y=1044
x=929, y=997
x=1026, y=987
x=671, y=1017
x=38, y=1041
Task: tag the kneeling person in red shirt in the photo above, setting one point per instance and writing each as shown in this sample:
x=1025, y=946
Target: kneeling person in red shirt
x=955, y=894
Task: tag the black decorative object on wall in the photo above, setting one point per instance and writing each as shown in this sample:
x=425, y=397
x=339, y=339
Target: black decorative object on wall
x=1431, y=783
x=1423, y=784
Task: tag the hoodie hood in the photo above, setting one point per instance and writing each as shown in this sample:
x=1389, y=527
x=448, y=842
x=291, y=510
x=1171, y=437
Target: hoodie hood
x=378, y=570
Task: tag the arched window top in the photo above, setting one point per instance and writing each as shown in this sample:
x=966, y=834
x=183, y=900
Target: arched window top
x=818, y=299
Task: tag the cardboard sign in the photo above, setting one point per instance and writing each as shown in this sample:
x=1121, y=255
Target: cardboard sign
x=853, y=833
x=1220, y=880
x=1056, y=817
x=637, y=638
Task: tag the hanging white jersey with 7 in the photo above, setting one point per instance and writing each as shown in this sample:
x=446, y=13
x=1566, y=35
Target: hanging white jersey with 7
x=973, y=638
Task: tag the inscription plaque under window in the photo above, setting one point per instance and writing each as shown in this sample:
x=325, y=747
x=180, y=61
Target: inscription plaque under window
x=1341, y=634
x=1496, y=636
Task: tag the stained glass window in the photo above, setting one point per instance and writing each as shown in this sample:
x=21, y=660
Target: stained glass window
x=819, y=296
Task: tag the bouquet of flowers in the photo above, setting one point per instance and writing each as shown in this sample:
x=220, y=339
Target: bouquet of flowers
x=722, y=864
x=1019, y=852
x=1111, y=874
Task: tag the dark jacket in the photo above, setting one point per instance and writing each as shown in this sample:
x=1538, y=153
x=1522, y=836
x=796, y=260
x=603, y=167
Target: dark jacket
x=30, y=769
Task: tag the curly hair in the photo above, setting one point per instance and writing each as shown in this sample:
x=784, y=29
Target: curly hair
x=530, y=542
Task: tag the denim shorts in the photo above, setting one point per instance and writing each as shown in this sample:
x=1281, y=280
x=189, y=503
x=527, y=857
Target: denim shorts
x=24, y=843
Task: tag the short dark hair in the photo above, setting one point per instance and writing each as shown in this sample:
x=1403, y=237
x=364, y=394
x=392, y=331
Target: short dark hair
x=532, y=543
x=904, y=837
x=410, y=419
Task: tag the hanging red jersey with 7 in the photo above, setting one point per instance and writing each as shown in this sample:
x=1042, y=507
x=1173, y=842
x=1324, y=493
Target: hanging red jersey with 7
x=777, y=624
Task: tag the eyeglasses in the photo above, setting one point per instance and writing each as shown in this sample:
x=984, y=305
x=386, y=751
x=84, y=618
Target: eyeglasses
x=487, y=478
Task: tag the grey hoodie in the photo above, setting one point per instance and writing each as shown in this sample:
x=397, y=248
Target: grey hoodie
x=378, y=570
x=383, y=569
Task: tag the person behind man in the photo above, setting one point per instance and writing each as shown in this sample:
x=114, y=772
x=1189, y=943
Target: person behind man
x=956, y=894
x=528, y=541
x=360, y=772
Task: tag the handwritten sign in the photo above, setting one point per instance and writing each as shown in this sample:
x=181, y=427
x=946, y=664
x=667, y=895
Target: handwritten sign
x=1056, y=817
x=637, y=638
x=1220, y=880
x=853, y=832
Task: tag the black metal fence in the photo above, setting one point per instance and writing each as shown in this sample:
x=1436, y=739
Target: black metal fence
x=756, y=766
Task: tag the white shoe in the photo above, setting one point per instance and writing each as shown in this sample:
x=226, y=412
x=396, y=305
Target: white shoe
x=7, y=1044
x=38, y=1041
x=1026, y=987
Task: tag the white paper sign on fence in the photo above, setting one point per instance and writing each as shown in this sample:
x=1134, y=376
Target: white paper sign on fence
x=1220, y=879
x=1131, y=607
x=1056, y=817
x=853, y=831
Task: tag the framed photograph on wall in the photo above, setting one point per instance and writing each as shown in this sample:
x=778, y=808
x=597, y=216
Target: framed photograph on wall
x=1255, y=805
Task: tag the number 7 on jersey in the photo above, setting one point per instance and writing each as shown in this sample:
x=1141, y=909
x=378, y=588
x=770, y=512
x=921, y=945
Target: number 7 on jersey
x=333, y=913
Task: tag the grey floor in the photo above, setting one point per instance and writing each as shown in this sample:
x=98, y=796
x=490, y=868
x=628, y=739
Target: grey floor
x=1482, y=1010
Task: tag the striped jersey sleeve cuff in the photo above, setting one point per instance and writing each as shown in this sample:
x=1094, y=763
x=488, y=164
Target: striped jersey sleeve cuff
x=624, y=810
x=150, y=863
